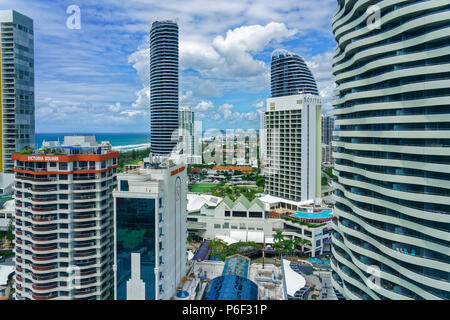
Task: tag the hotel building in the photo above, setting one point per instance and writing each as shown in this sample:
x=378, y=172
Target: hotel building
x=16, y=86
x=392, y=150
x=64, y=221
x=163, y=87
x=150, y=233
x=294, y=149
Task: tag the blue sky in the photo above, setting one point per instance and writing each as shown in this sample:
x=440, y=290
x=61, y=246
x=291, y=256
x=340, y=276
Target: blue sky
x=95, y=79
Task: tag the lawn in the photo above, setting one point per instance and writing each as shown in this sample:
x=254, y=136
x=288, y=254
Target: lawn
x=204, y=187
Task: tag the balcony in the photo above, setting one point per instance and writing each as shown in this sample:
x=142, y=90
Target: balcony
x=46, y=258
x=44, y=218
x=84, y=216
x=84, y=206
x=85, y=235
x=85, y=254
x=44, y=228
x=51, y=238
x=86, y=291
x=44, y=268
x=43, y=287
x=42, y=209
x=49, y=248
x=45, y=277
x=37, y=296
x=44, y=199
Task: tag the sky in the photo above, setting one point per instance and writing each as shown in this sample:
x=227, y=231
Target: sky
x=96, y=78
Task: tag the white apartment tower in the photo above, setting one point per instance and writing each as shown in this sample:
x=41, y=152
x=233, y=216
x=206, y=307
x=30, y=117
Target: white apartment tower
x=64, y=221
x=188, y=132
x=150, y=232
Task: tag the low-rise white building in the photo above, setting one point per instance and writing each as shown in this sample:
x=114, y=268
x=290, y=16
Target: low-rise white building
x=243, y=220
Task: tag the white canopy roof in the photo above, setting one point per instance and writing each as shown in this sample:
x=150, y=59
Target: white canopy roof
x=268, y=199
x=255, y=236
x=195, y=202
x=294, y=281
x=5, y=271
x=238, y=235
x=227, y=239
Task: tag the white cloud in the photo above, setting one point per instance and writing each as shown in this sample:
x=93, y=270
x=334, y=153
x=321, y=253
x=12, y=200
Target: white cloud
x=204, y=106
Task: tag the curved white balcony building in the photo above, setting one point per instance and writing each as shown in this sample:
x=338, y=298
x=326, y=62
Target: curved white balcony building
x=392, y=150
x=64, y=224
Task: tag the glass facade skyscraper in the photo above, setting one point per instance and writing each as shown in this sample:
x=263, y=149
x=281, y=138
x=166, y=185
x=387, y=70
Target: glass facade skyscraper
x=163, y=86
x=392, y=150
x=135, y=232
x=290, y=75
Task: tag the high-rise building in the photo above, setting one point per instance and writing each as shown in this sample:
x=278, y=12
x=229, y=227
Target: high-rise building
x=151, y=233
x=391, y=149
x=16, y=85
x=64, y=221
x=327, y=137
x=291, y=131
x=290, y=75
x=293, y=168
x=327, y=129
x=163, y=87
x=188, y=132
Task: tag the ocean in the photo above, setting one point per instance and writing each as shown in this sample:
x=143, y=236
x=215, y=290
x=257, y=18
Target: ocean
x=119, y=141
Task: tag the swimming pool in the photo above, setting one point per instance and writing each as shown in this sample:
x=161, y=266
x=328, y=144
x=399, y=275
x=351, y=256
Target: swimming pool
x=314, y=215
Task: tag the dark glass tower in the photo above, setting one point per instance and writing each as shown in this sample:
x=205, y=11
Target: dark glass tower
x=290, y=75
x=163, y=86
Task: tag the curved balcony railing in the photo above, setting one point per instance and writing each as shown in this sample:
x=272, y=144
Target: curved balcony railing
x=43, y=287
x=44, y=268
x=48, y=296
x=46, y=258
x=47, y=248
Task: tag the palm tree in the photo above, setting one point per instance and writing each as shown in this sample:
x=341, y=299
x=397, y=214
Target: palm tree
x=287, y=246
x=278, y=237
x=297, y=243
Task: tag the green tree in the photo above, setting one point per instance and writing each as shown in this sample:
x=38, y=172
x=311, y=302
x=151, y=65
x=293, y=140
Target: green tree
x=218, y=247
x=278, y=238
x=287, y=246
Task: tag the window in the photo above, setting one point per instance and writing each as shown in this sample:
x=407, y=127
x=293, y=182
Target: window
x=227, y=213
x=240, y=214
x=226, y=225
x=124, y=185
x=217, y=226
x=63, y=166
x=254, y=214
